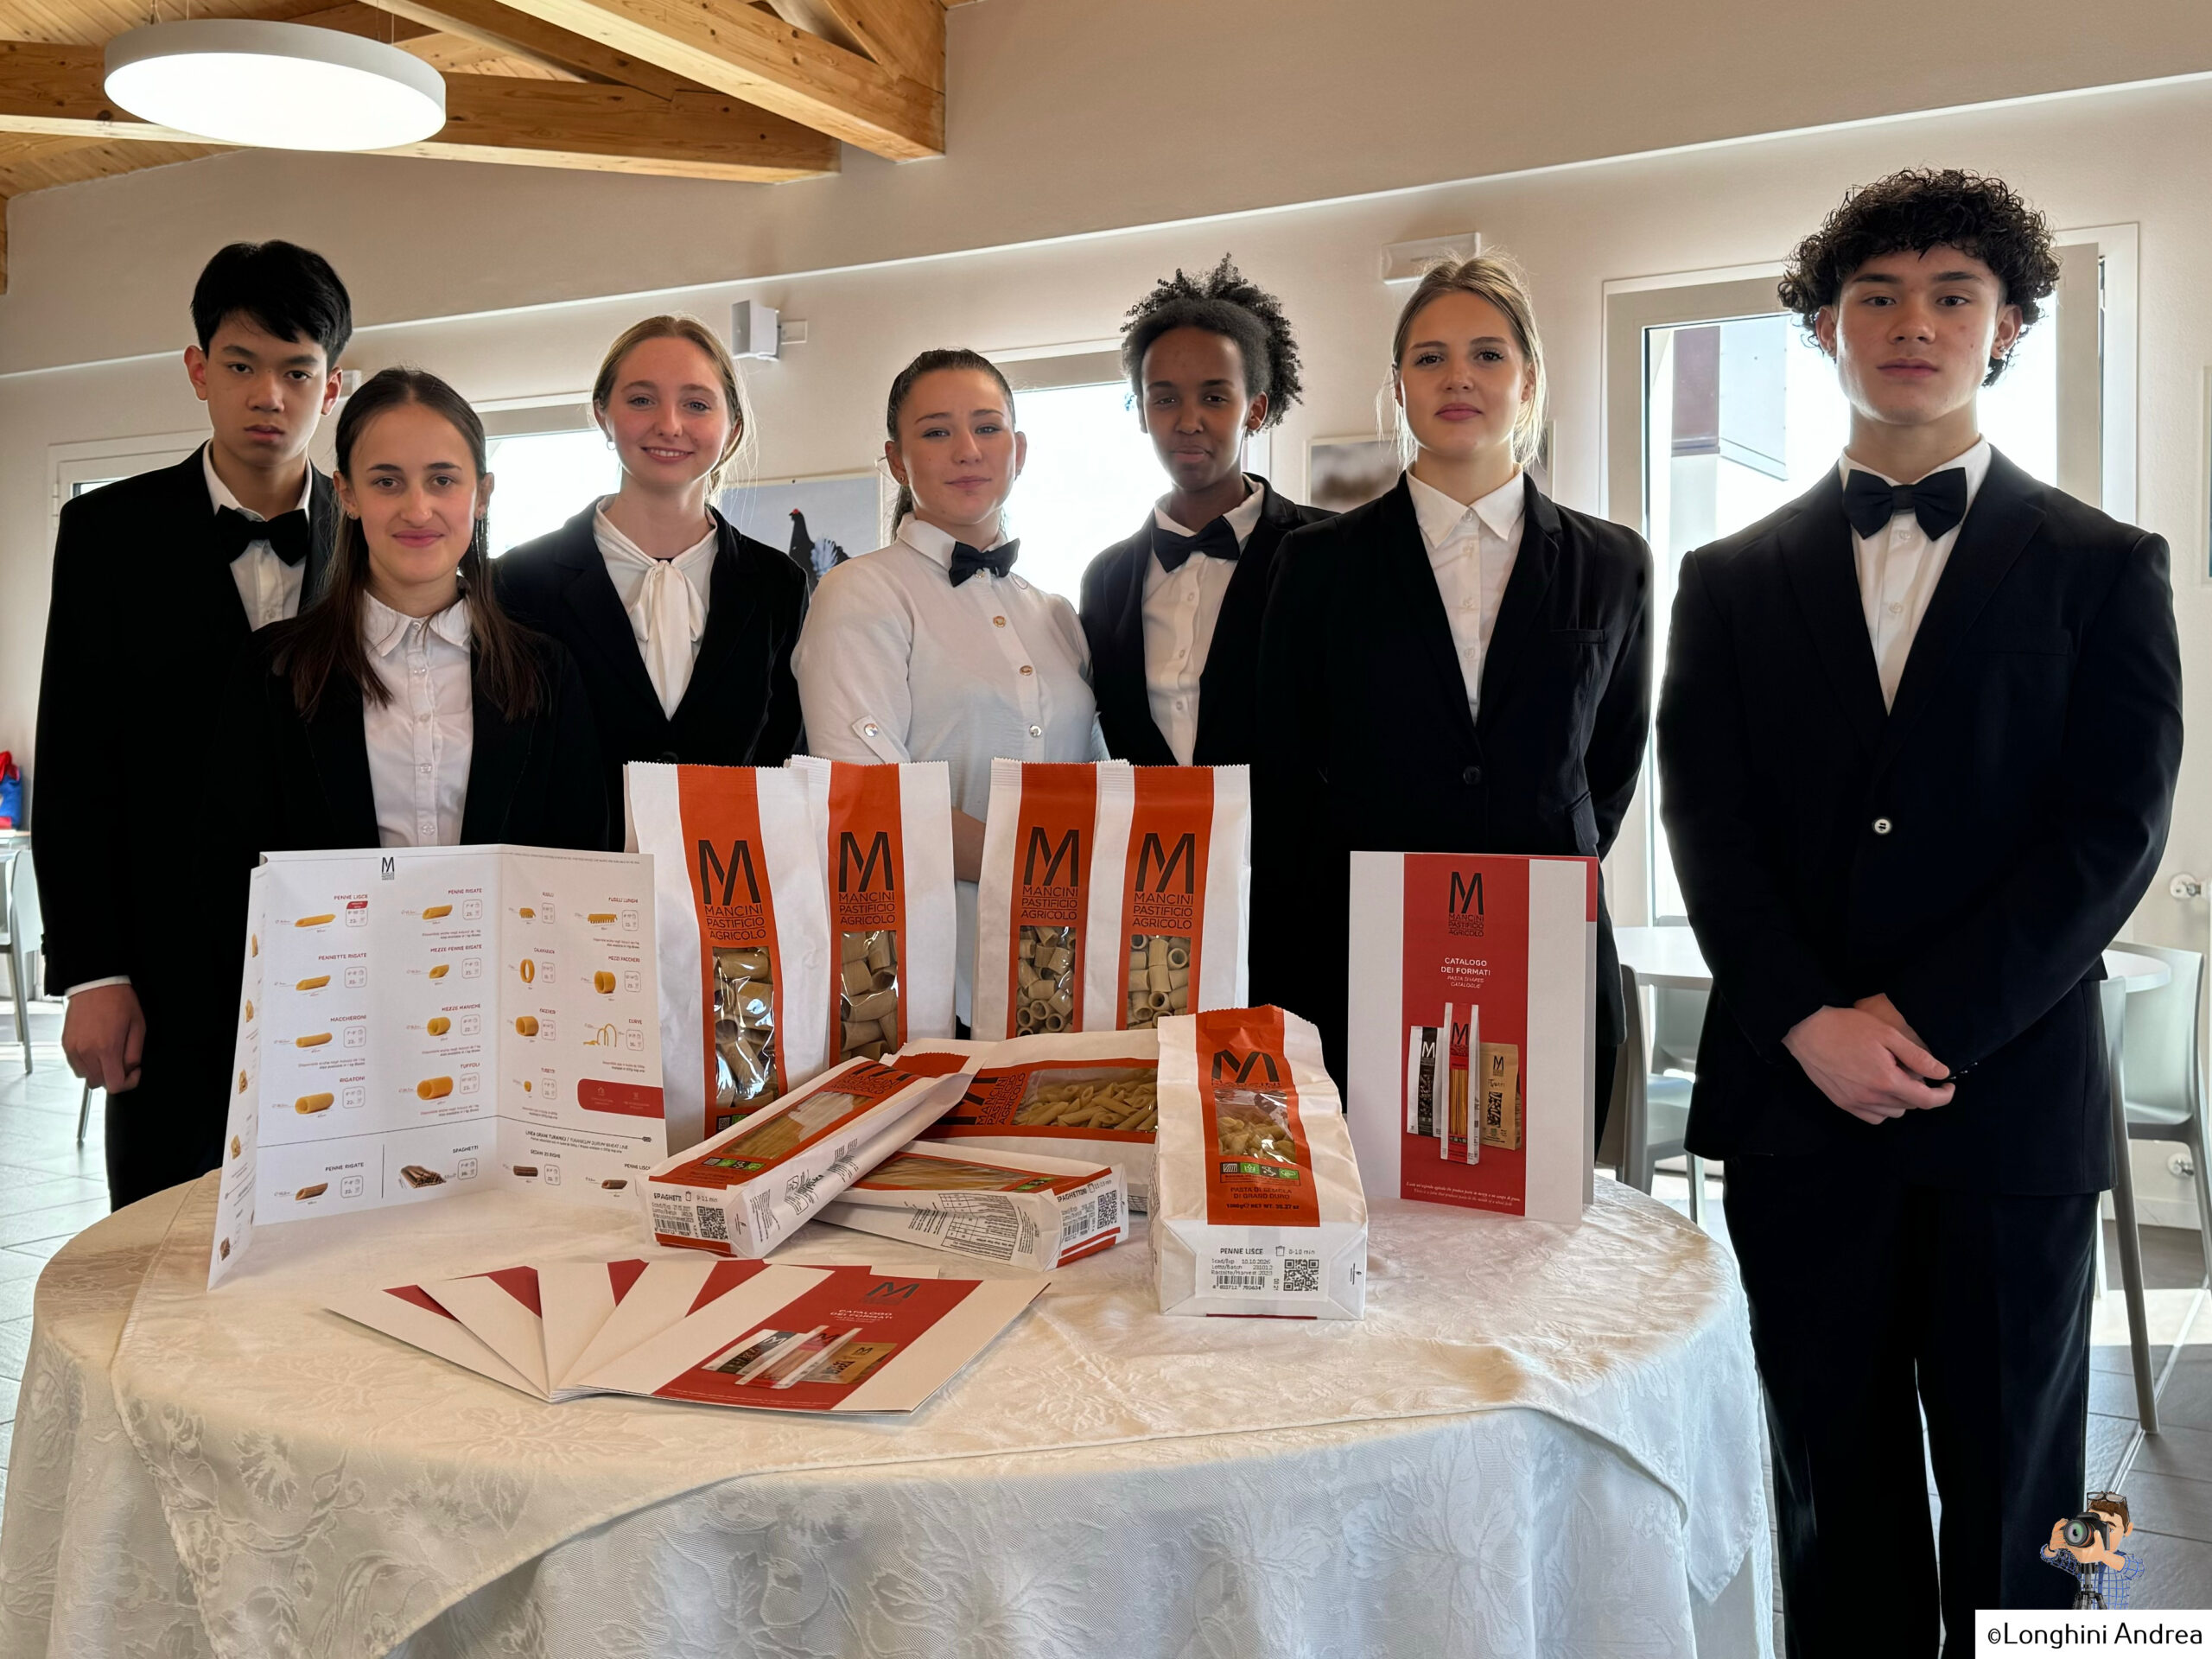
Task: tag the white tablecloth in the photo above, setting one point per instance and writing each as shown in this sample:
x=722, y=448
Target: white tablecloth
x=1541, y=1440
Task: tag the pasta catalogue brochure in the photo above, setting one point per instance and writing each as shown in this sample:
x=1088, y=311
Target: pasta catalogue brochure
x=421, y=1021
x=1473, y=1017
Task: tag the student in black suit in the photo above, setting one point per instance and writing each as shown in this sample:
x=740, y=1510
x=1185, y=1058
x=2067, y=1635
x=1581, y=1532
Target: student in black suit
x=404, y=708
x=158, y=582
x=1919, y=738
x=683, y=628
x=1462, y=665
x=1173, y=614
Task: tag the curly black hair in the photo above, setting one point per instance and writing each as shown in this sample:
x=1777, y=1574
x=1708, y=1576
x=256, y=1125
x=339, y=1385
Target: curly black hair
x=1915, y=210
x=1222, y=302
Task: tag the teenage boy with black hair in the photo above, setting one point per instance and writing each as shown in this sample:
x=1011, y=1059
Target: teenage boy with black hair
x=158, y=580
x=1173, y=614
x=1918, y=735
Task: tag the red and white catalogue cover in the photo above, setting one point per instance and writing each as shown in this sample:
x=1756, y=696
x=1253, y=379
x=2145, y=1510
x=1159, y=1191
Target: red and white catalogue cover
x=1472, y=1020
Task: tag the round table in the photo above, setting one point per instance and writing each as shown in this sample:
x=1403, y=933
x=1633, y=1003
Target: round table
x=1540, y=1439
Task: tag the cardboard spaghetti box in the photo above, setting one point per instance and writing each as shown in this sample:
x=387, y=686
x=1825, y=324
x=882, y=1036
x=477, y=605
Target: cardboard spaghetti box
x=1473, y=1024
x=1256, y=1203
x=1014, y=1207
x=744, y=1191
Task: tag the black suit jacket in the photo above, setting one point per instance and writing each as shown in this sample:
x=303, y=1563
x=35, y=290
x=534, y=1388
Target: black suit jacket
x=1970, y=852
x=740, y=708
x=1228, y=686
x=1367, y=741
x=144, y=624
x=295, y=784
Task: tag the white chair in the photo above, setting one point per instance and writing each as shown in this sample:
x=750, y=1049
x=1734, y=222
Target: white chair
x=2162, y=1077
x=21, y=918
x=1650, y=1113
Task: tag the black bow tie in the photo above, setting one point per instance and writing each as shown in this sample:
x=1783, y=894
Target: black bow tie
x=966, y=561
x=288, y=534
x=1939, y=501
x=1216, y=541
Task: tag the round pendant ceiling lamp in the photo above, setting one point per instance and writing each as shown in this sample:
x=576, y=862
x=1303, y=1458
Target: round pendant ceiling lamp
x=278, y=85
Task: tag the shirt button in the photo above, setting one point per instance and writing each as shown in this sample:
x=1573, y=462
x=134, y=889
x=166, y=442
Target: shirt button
x=1882, y=826
x=998, y=622
x=1896, y=610
x=425, y=771
x=1036, y=731
x=1028, y=670
x=870, y=730
x=1472, y=776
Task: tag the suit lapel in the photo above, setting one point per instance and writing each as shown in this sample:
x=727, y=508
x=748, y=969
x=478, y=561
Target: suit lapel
x=1406, y=554
x=1523, y=602
x=1817, y=552
x=730, y=605
x=2003, y=519
x=322, y=516
x=590, y=594
x=340, y=747
x=498, y=751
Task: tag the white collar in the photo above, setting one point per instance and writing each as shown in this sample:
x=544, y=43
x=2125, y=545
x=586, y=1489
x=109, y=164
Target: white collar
x=1975, y=461
x=1500, y=510
x=383, y=629
x=936, y=544
x=610, y=536
x=1243, y=518
x=218, y=493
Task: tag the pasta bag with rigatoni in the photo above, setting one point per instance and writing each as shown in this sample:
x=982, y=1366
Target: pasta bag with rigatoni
x=1171, y=894
x=742, y=912
x=1033, y=905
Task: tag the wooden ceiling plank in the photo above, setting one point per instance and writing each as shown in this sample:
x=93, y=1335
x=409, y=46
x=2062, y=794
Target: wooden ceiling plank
x=752, y=54
x=904, y=36
x=521, y=35
x=359, y=18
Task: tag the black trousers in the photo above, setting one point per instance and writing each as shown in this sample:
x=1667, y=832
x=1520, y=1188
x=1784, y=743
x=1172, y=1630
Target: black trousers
x=1873, y=1302
x=169, y=1128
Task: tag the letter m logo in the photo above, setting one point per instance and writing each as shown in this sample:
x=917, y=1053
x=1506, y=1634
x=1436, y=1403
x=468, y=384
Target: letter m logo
x=718, y=881
x=879, y=857
x=1467, y=893
x=1068, y=853
x=1151, y=852
x=1226, y=1064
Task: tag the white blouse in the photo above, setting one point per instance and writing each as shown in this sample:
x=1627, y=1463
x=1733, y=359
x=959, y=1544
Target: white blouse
x=1472, y=549
x=419, y=742
x=665, y=600
x=895, y=663
x=1180, y=609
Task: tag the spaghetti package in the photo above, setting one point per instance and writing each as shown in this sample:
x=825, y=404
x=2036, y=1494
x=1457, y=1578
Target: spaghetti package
x=1014, y=1207
x=1087, y=1096
x=742, y=914
x=1257, y=1202
x=743, y=1191
x=1171, y=895
x=1033, y=920
x=887, y=837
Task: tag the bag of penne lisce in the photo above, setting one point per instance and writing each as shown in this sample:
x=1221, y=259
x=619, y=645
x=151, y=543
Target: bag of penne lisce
x=1171, y=894
x=743, y=1191
x=1257, y=1202
x=1014, y=1207
x=743, y=932
x=885, y=834
x=1088, y=1096
x=1033, y=922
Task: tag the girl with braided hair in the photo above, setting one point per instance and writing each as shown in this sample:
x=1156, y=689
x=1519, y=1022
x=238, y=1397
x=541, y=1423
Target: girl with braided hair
x=1173, y=614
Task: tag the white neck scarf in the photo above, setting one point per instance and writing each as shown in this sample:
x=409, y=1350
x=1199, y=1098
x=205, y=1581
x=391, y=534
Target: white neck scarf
x=667, y=614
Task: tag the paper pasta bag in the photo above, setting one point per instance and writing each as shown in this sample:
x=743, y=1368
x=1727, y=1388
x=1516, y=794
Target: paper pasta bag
x=1014, y=1207
x=885, y=834
x=744, y=936
x=1257, y=1202
x=1032, y=905
x=1171, y=899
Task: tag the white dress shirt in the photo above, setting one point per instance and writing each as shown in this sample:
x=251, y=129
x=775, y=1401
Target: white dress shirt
x=1471, y=550
x=1899, y=567
x=1180, y=609
x=895, y=663
x=665, y=600
x=268, y=588
x=419, y=743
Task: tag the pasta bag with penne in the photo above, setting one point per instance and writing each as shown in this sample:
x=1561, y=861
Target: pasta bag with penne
x=1033, y=911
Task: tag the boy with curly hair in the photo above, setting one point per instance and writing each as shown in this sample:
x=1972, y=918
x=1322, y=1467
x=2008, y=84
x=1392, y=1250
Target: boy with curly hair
x=1173, y=614
x=1918, y=735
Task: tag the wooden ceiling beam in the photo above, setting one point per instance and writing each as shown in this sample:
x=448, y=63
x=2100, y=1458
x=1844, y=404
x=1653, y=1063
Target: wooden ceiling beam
x=521, y=35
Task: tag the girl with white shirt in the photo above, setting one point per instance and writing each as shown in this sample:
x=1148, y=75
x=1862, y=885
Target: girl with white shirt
x=682, y=628
x=404, y=708
x=932, y=648
x=1461, y=666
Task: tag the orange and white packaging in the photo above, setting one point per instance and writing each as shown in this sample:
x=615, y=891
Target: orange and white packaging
x=1171, y=894
x=1256, y=1203
x=744, y=936
x=1034, y=904
x=744, y=1191
x=1014, y=1207
x=886, y=833
x=1090, y=1095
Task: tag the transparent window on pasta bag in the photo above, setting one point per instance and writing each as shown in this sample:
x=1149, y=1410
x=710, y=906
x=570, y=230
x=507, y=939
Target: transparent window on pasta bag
x=1253, y=1126
x=1109, y=1097
x=769, y=1140
x=867, y=994
x=1048, y=962
x=1160, y=978
x=746, y=1074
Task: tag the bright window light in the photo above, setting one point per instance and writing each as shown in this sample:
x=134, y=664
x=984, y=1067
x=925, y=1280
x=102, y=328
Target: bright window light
x=1091, y=479
x=541, y=480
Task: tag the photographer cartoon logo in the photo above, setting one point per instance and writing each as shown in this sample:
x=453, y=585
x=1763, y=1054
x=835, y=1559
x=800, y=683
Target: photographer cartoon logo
x=2088, y=1545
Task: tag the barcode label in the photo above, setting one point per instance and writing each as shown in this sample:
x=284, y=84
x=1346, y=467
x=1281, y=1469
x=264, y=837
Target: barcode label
x=672, y=1218
x=1239, y=1280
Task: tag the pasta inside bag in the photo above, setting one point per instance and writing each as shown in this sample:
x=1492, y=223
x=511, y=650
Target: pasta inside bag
x=1032, y=906
x=1173, y=866
x=1087, y=1096
x=741, y=914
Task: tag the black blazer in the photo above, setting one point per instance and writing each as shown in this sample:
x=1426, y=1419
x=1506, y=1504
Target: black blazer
x=144, y=623
x=1367, y=743
x=1970, y=852
x=1228, y=686
x=740, y=708
x=295, y=784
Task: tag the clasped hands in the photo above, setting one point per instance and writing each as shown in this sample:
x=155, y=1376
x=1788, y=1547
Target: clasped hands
x=1868, y=1060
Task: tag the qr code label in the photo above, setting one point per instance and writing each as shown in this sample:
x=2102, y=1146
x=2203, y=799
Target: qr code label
x=711, y=1225
x=1301, y=1274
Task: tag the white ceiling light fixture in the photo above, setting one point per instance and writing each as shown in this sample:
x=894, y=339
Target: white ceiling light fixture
x=278, y=85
